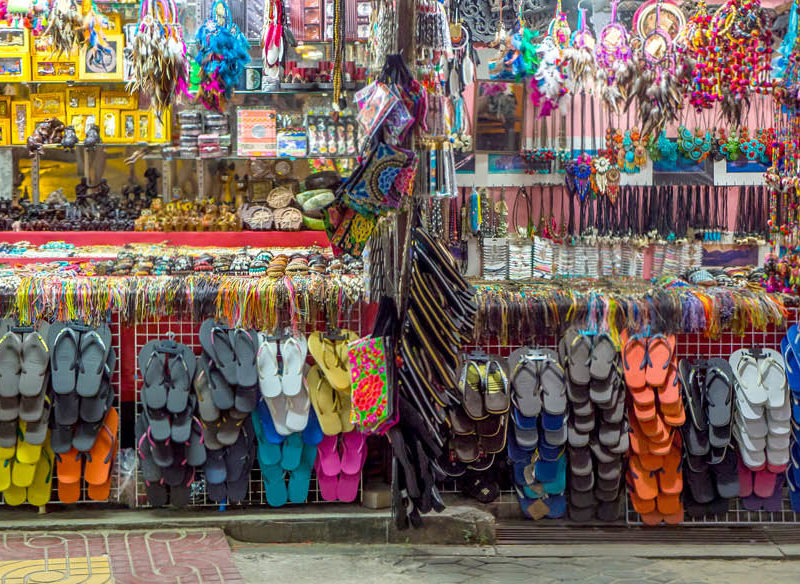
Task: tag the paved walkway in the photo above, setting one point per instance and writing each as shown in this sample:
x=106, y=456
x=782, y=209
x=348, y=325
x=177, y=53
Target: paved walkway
x=129, y=557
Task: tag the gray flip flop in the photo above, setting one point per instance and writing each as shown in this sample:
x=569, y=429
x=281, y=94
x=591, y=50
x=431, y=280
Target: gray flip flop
x=86, y=435
x=94, y=347
x=181, y=372
x=616, y=413
x=609, y=434
x=163, y=454
x=623, y=444
x=719, y=392
x=609, y=484
x=224, y=356
x=31, y=407
x=245, y=399
x=609, y=510
x=583, y=409
x=174, y=473
x=603, y=356
x=610, y=471
x=10, y=350
x=181, y=425
x=579, y=350
x=601, y=391
x=61, y=438
x=582, y=499
x=151, y=364
x=221, y=392
x=34, y=361
x=580, y=514
x=554, y=387
x=151, y=472
x=245, y=345
x=9, y=409
x=526, y=438
x=214, y=468
x=605, y=496
x=695, y=441
x=63, y=343
x=524, y=380
x=237, y=414
x=577, y=393
x=582, y=482
x=576, y=439
x=216, y=493
x=8, y=434
x=584, y=424
x=159, y=422
x=557, y=437
x=196, y=451
x=602, y=454
x=66, y=408
x=36, y=432
x=206, y=409
x=228, y=430
x=93, y=409
x=580, y=461
x=210, y=437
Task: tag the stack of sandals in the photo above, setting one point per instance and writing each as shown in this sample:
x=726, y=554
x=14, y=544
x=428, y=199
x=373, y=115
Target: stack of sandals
x=762, y=427
x=227, y=469
x=170, y=440
x=538, y=432
x=26, y=459
x=439, y=321
x=655, y=477
x=85, y=424
x=229, y=358
x=342, y=451
x=597, y=431
x=790, y=347
x=710, y=461
x=286, y=462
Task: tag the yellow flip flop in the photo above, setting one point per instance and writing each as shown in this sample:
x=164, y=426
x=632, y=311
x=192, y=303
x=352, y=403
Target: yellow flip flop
x=323, y=399
x=331, y=356
x=14, y=495
x=7, y=453
x=26, y=453
x=5, y=473
x=343, y=406
x=22, y=474
x=40, y=490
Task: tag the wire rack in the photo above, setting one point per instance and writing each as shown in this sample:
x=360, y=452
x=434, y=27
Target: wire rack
x=113, y=497
x=688, y=345
x=186, y=331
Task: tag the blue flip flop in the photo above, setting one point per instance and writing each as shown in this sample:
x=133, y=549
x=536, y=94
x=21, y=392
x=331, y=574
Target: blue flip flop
x=313, y=432
x=552, y=422
x=268, y=453
x=546, y=471
x=300, y=478
x=549, y=452
x=525, y=422
x=559, y=484
x=267, y=426
x=292, y=451
x=792, y=364
x=519, y=473
x=274, y=485
x=516, y=452
x=557, y=505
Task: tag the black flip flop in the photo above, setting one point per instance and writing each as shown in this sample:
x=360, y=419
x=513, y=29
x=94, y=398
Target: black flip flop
x=94, y=347
x=63, y=357
x=182, y=363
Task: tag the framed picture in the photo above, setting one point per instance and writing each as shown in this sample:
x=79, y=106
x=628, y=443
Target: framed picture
x=498, y=116
x=103, y=63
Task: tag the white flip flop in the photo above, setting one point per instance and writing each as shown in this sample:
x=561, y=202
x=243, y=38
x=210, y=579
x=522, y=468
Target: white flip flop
x=269, y=381
x=279, y=409
x=747, y=372
x=748, y=411
x=298, y=407
x=773, y=378
x=294, y=351
x=781, y=414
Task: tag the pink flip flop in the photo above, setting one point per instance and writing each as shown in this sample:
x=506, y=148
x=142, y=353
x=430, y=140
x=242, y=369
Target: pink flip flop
x=353, y=450
x=328, y=456
x=348, y=487
x=764, y=484
x=328, y=485
x=745, y=480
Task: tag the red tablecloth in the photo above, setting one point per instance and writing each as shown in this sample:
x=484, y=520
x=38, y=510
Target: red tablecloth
x=199, y=239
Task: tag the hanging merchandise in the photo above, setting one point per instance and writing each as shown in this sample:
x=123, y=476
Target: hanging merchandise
x=579, y=58
x=272, y=44
x=612, y=53
x=222, y=54
x=66, y=22
x=159, y=63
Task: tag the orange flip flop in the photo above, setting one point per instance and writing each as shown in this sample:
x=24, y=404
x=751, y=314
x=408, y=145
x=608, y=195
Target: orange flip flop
x=634, y=352
x=651, y=461
x=69, y=466
x=674, y=518
x=670, y=479
x=674, y=418
x=643, y=396
x=653, y=518
x=670, y=392
x=640, y=505
x=101, y=456
x=645, y=413
x=662, y=446
x=100, y=492
x=660, y=349
x=644, y=481
x=668, y=504
x=69, y=492
x=638, y=441
x=653, y=428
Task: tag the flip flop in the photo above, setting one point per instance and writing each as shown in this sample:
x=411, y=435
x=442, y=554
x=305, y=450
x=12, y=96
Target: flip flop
x=293, y=351
x=791, y=363
x=472, y=390
x=312, y=433
x=245, y=399
x=298, y=408
x=603, y=356
x=26, y=453
x=34, y=362
x=764, y=483
x=660, y=349
x=10, y=364
x=579, y=351
x=216, y=343
x=347, y=487
x=182, y=364
x=100, y=458
x=323, y=399
x=268, y=453
x=69, y=467
x=206, y=408
x=644, y=481
x=222, y=394
x=292, y=451
x=495, y=384
x=31, y=407
x=327, y=354
x=670, y=479
x=554, y=387
x=524, y=380
x=214, y=468
x=228, y=430
x=9, y=409
x=217, y=492
x=748, y=374
x=278, y=409
x=328, y=485
x=159, y=422
x=634, y=359
x=181, y=424
x=275, y=490
x=196, y=449
x=41, y=489
x=94, y=347
x=91, y=409
x=36, y=432
x=773, y=379
x=670, y=392
x=299, y=482
x=328, y=457
x=269, y=380
x=245, y=347
x=641, y=506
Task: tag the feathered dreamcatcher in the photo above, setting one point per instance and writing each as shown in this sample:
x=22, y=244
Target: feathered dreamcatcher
x=613, y=53
x=160, y=65
x=579, y=60
x=222, y=54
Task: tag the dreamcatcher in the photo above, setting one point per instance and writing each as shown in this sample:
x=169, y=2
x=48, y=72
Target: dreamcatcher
x=612, y=53
x=579, y=58
x=272, y=43
x=160, y=65
x=222, y=54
